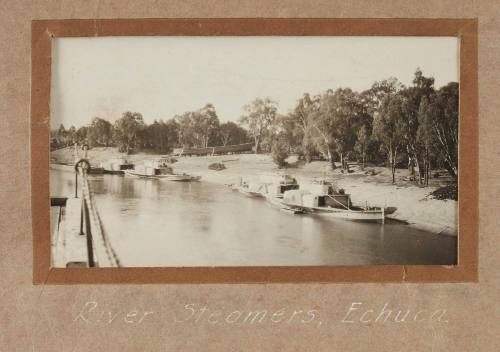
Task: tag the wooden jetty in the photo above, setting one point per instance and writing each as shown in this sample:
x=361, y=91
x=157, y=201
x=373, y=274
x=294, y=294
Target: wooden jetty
x=79, y=239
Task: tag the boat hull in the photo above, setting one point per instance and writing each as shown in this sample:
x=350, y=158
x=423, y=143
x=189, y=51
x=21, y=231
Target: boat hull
x=180, y=178
x=114, y=172
x=365, y=215
x=248, y=193
x=278, y=202
x=352, y=215
x=166, y=177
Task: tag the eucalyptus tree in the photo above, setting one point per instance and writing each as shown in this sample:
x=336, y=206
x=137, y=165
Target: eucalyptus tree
x=445, y=110
x=425, y=134
x=388, y=128
x=302, y=117
x=363, y=136
x=206, y=124
x=100, y=132
x=260, y=115
x=198, y=128
x=335, y=123
x=126, y=130
x=423, y=87
x=231, y=133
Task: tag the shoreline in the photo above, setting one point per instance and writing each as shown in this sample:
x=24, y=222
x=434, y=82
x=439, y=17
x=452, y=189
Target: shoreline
x=413, y=220
x=414, y=206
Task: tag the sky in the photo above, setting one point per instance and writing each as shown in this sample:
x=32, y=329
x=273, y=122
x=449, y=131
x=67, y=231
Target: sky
x=161, y=77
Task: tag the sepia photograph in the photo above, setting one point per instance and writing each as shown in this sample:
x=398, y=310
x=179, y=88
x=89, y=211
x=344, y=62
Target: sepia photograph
x=246, y=151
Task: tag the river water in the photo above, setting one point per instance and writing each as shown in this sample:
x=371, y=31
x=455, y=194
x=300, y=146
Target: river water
x=162, y=223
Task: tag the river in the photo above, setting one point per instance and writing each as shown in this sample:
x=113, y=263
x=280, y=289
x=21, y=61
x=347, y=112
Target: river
x=161, y=223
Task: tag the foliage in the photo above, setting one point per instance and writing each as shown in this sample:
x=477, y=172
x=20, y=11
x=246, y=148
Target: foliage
x=231, y=133
x=126, y=130
x=414, y=127
x=198, y=128
x=334, y=123
x=260, y=115
x=280, y=151
x=100, y=132
x=217, y=166
x=301, y=119
x=160, y=136
x=363, y=137
x=388, y=127
x=446, y=192
x=444, y=124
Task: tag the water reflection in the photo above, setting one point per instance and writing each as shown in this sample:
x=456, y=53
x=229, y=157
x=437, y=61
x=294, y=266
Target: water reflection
x=161, y=223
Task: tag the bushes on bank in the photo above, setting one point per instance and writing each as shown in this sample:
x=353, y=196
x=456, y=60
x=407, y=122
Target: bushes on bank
x=217, y=166
x=280, y=152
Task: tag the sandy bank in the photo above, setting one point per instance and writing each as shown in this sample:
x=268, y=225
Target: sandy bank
x=413, y=203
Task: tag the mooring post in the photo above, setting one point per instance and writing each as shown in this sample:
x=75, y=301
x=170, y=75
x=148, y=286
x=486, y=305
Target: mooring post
x=76, y=183
x=81, y=218
x=90, y=246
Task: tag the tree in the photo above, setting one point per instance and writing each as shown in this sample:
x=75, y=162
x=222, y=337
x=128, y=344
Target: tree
x=100, y=132
x=379, y=91
x=363, y=137
x=206, y=124
x=185, y=123
x=425, y=134
x=172, y=131
x=387, y=127
x=231, y=133
x=126, y=129
x=335, y=123
x=198, y=128
x=302, y=116
x=444, y=109
x=71, y=135
x=280, y=151
x=82, y=135
x=159, y=136
x=62, y=135
x=260, y=114
x=423, y=87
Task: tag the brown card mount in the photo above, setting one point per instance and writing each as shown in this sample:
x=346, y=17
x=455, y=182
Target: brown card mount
x=44, y=31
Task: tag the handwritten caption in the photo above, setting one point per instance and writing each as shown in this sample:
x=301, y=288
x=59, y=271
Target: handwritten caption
x=93, y=313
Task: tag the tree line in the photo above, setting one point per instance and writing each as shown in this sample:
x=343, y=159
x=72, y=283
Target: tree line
x=412, y=126
x=198, y=129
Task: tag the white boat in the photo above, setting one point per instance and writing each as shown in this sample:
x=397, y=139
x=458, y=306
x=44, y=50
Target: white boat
x=159, y=169
x=180, y=177
x=166, y=177
x=277, y=185
x=244, y=190
x=356, y=214
x=267, y=185
x=331, y=204
x=250, y=189
x=116, y=166
x=278, y=202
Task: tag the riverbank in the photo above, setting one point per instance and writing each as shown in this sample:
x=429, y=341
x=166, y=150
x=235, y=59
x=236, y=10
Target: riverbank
x=372, y=186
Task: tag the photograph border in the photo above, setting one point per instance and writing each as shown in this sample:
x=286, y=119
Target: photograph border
x=44, y=31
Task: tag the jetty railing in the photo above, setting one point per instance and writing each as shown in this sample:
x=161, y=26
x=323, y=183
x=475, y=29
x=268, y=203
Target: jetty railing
x=102, y=248
x=80, y=239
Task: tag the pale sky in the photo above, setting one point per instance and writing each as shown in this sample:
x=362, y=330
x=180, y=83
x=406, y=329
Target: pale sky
x=164, y=76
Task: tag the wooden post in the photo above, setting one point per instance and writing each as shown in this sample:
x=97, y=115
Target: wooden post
x=76, y=184
x=90, y=247
x=81, y=219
